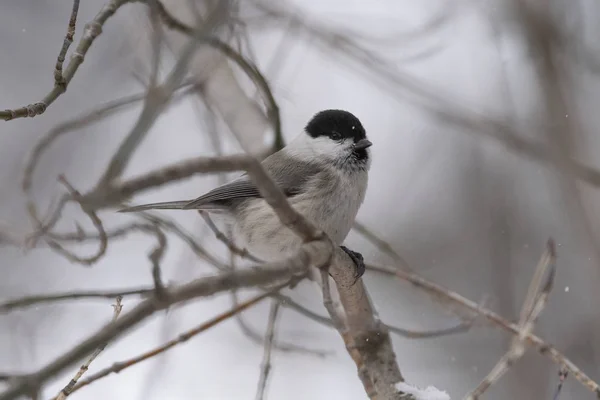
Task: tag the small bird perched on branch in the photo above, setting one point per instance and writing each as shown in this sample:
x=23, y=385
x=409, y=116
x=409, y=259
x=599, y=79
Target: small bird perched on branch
x=323, y=173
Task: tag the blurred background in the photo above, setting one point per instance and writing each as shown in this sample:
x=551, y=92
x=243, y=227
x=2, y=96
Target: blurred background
x=445, y=90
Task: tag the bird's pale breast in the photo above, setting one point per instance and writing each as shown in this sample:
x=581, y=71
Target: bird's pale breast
x=331, y=203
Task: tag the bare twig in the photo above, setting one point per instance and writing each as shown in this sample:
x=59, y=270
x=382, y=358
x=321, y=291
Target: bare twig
x=182, y=338
x=117, y=193
x=457, y=300
x=186, y=237
x=75, y=195
x=91, y=32
x=563, y=373
x=8, y=377
x=67, y=390
x=266, y=363
x=155, y=257
x=280, y=345
x=536, y=299
x=460, y=327
x=29, y=301
x=59, y=79
x=42, y=228
x=313, y=253
x=381, y=244
x=337, y=319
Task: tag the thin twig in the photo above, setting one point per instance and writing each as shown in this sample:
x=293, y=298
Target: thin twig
x=381, y=244
x=535, y=300
x=266, y=363
x=91, y=32
x=337, y=319
x=67, y=390
x=59, y=79
x=118, y=193
x=314, y=252
x=563, y=373
x=155, y=220
x=456, y=299
x=29, y=301
x=182, y=338
x=103, y=245
x=42, y=228
x=155, y=257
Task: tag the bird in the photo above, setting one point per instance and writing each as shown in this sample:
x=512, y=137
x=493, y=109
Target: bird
x=323, y=172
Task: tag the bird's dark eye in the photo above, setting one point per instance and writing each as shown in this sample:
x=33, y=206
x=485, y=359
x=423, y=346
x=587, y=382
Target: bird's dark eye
x=335, y=136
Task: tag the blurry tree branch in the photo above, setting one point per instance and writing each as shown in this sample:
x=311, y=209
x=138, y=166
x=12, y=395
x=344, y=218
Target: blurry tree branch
x=51, y=298
x=457, y=300
x=59, y=79
x=182, y=338
x=535, y=301
x=310, y=254
x=265, y=369
x=91, y=32
x=67, y=390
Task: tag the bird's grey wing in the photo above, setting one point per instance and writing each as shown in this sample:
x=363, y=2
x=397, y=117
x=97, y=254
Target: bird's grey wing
x=290, y=174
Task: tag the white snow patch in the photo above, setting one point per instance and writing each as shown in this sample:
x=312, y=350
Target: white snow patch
x=429, y=393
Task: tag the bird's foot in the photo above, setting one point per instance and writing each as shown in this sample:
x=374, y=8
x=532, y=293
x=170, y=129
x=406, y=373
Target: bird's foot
x=359, y=262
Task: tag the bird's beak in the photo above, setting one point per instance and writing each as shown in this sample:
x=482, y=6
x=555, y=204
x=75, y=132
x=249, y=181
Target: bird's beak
x=362, y=144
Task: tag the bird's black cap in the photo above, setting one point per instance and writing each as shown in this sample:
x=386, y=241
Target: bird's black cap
x=333, y=123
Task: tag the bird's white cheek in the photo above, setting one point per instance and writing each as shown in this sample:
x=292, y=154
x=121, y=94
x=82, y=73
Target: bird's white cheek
x=322, y=148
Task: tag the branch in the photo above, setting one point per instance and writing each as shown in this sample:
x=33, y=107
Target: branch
x=59, y=79
x=309, y=254
x=93, y=294
x=381, y=244
x=67, y=390
x=91, y=32
x=266, y=364
x=454, y=298
x=120, y=192
x=103, y=239
x=366, y=338
x=562, y=376
x=182, y=338
x=535, y=301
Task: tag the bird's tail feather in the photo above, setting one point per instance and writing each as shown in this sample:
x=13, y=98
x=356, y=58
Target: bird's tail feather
x=167, y=205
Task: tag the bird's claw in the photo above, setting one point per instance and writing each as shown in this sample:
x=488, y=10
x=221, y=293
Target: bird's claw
x=359, y=262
